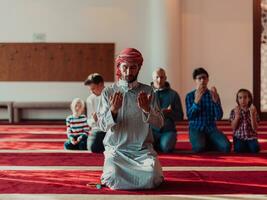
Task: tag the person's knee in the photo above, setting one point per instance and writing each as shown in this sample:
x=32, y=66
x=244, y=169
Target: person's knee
x=197, y=140
x=97, y=148
x=69, y=146
x=168, y=142
x=225, y=147
x=94, y=149
x=166, y=149
x=82, y=145
x=197, y=148
x=255, y=149
x=237, y=149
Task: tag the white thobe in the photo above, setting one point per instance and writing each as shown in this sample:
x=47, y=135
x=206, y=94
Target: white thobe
x=130, y=160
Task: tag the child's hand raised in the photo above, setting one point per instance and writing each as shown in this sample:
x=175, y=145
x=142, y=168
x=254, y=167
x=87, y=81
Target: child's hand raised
x=237, y=111
x=253, y=110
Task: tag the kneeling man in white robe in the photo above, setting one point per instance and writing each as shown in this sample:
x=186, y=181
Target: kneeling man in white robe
x=127, y=109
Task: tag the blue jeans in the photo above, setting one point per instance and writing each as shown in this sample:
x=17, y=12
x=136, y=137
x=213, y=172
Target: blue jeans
x=165, y=141
x=209, y=140
x=82, y=145
x=246, y=146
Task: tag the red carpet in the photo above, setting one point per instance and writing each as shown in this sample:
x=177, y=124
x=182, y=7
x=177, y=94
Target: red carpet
x=222, y=128
x=32, y=136
x=185, y=136
x=91, y=159
x=32, y=129
x=189, y=182
x=219, y=123
x=55, y=145
x=180, y=136
x=31, y=145
x=74, y=182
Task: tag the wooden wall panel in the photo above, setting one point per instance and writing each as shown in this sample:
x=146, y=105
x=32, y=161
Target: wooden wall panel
x=55, y=61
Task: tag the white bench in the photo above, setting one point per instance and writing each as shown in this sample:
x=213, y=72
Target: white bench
x=8, y=105
x=18, y=107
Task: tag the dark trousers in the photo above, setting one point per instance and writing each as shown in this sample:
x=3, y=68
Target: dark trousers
x=95, y=142
x=165, y=141
x=209, y=140
x=82, y=145
x=246, y=146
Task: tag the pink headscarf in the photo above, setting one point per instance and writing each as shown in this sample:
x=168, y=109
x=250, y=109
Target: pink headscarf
x=129, y=55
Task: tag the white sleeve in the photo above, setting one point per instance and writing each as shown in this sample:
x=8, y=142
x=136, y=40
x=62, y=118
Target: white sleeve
x=90, y=109
x=105, y=118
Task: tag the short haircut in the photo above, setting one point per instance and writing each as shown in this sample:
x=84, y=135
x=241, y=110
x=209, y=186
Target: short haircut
x=249, y=96
x=94, y=78
x=199, y=71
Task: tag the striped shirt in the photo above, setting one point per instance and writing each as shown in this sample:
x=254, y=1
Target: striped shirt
x=77, y=125
x=203, y=116
x=244, y=130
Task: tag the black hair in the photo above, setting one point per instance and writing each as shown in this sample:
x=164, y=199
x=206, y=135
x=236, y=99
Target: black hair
x=199, y=71
x=94, y=78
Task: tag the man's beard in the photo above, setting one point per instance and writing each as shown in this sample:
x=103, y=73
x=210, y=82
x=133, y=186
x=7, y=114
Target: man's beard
x=131, y=79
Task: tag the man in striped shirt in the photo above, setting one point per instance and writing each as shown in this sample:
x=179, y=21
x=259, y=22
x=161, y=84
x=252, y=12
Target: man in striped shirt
x=77, y=127
x=203, y=108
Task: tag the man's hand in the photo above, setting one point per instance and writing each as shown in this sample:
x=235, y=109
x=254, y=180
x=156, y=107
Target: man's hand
x=199, y=93
x=94, y=116
x=214, y=94
x=115, y=102
x=167, y=110
x=143, y=100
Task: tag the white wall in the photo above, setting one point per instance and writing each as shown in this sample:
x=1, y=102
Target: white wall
x=177, y=34
x=71, y=21
x=217, y=35
x=165, y=47
x=42, y=91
